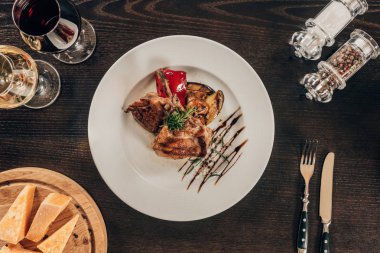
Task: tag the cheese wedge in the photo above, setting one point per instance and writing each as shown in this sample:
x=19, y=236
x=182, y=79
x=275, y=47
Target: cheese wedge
x=48, y=211
x=14, y=224
x=5, y=249
x=57, y=241
x=15, y=249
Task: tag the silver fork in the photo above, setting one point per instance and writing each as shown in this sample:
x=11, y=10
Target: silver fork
x=307, y=165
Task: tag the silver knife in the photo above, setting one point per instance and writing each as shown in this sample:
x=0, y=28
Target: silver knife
x=325, y=204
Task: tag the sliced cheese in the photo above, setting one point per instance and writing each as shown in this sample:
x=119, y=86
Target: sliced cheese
x=48, y=211
x=14, y=224
x=15, y=249
x=5, y=249
x=57, y=241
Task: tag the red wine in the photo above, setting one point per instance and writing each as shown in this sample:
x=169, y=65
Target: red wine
x=47, y=25
x=36, y=17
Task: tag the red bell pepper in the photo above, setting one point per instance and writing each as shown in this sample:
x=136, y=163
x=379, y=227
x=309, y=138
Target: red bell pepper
x=170, y=82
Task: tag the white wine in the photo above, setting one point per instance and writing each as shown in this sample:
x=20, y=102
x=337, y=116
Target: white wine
x=18, y=77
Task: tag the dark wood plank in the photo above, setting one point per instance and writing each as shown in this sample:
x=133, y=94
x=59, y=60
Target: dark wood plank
x=266, y=219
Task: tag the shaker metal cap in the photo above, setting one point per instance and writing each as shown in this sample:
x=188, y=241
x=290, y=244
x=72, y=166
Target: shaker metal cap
x=369, y=42
x=357, y=7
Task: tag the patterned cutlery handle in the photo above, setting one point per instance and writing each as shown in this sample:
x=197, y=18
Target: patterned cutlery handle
x=325, y=239
x=303, y=227
x=303, y=230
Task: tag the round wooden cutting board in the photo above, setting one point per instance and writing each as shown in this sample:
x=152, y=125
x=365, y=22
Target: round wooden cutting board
x=89, y=236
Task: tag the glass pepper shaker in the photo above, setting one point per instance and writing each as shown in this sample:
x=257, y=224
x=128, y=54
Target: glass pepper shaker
x=322, y=30
x=343, y=64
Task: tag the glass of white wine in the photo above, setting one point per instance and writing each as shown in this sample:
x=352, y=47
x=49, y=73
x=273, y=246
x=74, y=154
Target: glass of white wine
x=24, y=81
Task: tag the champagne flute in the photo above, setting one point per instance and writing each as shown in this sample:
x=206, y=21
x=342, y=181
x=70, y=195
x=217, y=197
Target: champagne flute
x=56, y=27
x=24, y=81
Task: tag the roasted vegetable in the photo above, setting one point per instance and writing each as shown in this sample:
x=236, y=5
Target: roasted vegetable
x=205, y=100
x=170, y=82
x=192, y=86
x=215, y=102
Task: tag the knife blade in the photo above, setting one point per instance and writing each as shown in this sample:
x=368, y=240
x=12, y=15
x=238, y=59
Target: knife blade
x=325, y=203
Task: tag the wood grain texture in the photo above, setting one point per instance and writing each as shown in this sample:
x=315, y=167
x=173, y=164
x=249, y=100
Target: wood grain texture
x=266, y=219
x=89, y=235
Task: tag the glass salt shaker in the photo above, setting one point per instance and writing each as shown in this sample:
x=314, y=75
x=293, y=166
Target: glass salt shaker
x=343, y=64
x=322, y=30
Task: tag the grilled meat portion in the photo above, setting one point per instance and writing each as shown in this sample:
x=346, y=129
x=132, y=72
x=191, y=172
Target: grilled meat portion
x=192, y=141
x=151, y=110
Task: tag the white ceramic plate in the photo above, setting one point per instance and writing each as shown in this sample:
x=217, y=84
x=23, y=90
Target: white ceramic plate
x=122, y=150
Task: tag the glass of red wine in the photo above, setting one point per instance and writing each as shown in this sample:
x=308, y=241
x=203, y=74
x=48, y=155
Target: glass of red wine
x=55, y=26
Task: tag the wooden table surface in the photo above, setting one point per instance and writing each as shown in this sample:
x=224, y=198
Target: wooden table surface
x=266, y=219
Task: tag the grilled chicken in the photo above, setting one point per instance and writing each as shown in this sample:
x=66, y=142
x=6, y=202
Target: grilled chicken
x=151, y=110
x=192, y=141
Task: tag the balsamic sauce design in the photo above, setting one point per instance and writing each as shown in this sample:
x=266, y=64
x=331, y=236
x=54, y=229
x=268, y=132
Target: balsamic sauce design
x=222, y=156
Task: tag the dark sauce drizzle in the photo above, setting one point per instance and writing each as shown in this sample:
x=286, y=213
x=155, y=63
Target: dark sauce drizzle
x=220, y=159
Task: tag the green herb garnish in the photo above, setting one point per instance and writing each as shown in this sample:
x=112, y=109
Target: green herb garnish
x=176, y=120
x=215, y=175
x=219, y=153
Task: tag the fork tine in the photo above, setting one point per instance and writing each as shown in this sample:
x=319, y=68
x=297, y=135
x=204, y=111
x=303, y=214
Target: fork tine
x=304, y=152
x=315, y=151
x=308, y=152
x=311, y=153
